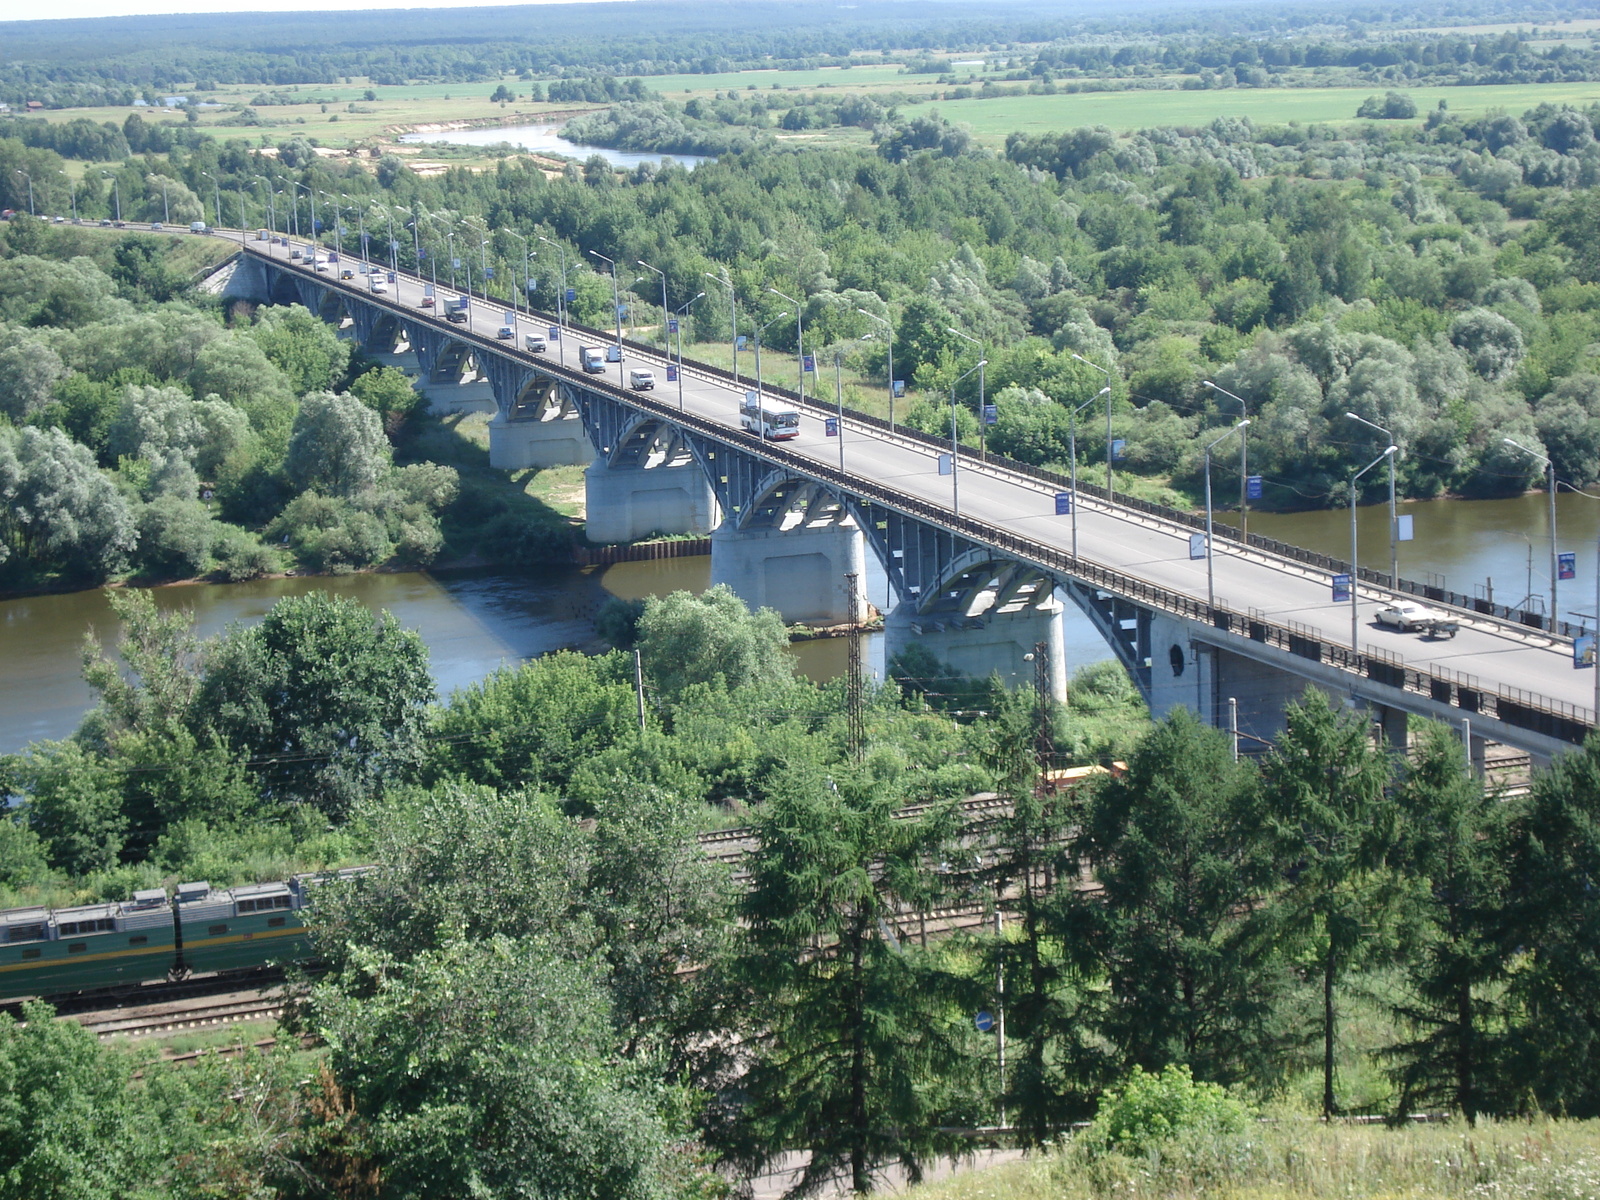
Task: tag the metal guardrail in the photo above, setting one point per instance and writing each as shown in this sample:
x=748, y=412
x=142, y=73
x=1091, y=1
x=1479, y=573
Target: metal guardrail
x=1514, y=706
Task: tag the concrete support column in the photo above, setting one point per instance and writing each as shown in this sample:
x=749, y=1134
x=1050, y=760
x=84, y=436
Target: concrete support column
x=800, y=572
x=1395, y=724
x=628, y=503
x=559, y=442
x=983, y=646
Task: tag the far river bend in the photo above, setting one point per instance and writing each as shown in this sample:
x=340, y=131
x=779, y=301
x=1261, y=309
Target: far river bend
x=474, y=622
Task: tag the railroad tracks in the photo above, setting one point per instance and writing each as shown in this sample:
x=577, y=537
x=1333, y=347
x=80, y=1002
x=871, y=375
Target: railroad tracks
x=167, y=1019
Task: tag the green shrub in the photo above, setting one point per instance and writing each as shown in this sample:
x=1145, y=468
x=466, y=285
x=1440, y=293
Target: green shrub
x=1155, y=1109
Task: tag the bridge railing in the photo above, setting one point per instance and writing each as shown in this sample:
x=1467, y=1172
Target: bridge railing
x=1061, y=481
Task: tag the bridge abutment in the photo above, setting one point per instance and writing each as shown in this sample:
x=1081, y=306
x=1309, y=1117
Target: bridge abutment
x=799, y=572
x=626, y=503
x=982, y=646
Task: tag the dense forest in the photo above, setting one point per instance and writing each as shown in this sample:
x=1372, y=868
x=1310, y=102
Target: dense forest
x=547, y=979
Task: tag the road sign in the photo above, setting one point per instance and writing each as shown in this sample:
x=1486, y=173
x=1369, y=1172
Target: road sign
x=1566, y=566
x=422, y=253
x=991, y=414
x=808, y=363
x=947, y=465
x=672, y=372
x=509, y=318
x=899, y=386
x=1583, y=651
x=555, y=333
x=1118, y=445
x=572, y=294
x=1405, y=528
x=488, y=272
x=1341, y=589
x=1197, y=545
x=455, y=264
x=672, y=324
x=830, y=426
x=532, y=286
x=740, y=341
x=1252, y=487
x=985, y=1021
x=1063, y=504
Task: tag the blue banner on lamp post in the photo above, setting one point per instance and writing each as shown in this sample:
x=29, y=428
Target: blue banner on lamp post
x=991, y=414
x=1252, y=487
x=1566, y=566
x=808, y=364
x=1063, y=504
x=1341, y=589
x=830, y=426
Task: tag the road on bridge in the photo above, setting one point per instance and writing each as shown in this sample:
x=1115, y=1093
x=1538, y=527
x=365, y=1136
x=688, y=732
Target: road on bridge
x=1500, y=655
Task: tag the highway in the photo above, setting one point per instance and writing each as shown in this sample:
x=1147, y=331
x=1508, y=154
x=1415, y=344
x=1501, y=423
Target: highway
x=1142, y=546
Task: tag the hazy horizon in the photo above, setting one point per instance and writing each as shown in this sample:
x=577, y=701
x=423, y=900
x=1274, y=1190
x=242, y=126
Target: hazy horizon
x=88, y=9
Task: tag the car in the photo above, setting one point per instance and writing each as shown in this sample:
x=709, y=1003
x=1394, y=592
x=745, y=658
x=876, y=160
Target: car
x=106, y=224
x=456, y=316
x=425, y=302
x=347, y=273
x=379, y=287
x=1409, y=616
x=156, y=226
x=506, y=333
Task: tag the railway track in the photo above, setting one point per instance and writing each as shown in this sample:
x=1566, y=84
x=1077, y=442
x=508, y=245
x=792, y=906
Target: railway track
x=158, y=1020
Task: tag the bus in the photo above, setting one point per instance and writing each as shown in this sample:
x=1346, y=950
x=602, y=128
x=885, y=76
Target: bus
x=771, y=420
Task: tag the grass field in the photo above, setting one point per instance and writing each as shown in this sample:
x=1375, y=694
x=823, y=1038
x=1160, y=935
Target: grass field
x=991, y=120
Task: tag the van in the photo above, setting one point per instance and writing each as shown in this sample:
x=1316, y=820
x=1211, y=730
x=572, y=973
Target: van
x=535, y=343
x=593, y=359
x=379, y=287
x=613, y=353
x=197, y=226
x=641, y=380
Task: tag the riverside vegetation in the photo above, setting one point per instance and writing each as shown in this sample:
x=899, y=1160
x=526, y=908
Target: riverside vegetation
x=508, y=1004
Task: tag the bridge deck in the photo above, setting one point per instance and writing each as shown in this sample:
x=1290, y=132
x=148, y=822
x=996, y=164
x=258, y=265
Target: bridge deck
x=1494, y=655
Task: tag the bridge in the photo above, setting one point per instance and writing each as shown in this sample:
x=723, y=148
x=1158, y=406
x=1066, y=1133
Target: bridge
x=978, y=560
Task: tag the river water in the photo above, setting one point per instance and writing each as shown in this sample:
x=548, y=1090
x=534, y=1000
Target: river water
x=546, y=139
x=473, y=622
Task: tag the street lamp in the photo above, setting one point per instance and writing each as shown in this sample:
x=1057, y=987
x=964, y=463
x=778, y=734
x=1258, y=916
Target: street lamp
x=982, y=412
x=561, y=300
x=1211, y=585
x=1394, y=521
x=1244, y=463
x=216, y=193
x=1107, y=374
x=616, y=307
x=760, y=393
x=955, y=444
x=679, y=315
x=838, y=393
x=1355, y=562
x=889, y=341
x=72, y=195
x=726, y=280
x=799, y=338
x=527, y=273
x=116, y=194
x=1073, y=457
x=1555, y=565
x=664, y=340
x=29, y=178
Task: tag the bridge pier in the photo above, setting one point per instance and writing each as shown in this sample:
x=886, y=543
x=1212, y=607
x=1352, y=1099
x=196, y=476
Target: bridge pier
x=799, y=572
x=515, y=445
x=982, y=646
x=626, y=503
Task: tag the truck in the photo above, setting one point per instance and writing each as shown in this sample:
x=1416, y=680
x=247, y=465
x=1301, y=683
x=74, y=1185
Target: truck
x=197, y=226
x=593, y=359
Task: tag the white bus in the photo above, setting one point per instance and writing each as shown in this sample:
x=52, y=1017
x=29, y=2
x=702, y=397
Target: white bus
x=770, y=419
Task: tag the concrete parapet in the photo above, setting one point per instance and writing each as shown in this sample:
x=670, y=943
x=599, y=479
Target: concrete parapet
x=799, y=572
x=515, y=445
x=625, y=504
x=982, y=646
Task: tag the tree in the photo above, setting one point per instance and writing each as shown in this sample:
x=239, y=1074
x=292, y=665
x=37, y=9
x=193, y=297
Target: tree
x=1493, y=343
x=1334, y=827
x=325, y=699
x=57, y=510
x=29, y=371
x=711, y=639
x=844, y=1031
x=73, y=802
x=1181, y=850
x=1453, y=852
x=301, y=345
x=337, y=446
x=487, y=1068
x=388, y=392
x=1552, y=908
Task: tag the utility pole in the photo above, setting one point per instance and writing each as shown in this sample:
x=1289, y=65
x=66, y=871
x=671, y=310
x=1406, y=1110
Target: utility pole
x=1044, y=747
x=855, y=726
x=638, y=687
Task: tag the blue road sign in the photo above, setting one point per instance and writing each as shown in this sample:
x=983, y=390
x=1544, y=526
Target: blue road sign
x=488, y=272
x=1341, y=589
x=1252, y=487
x=572, y=294
x=1566, y=566
x=672, y=373
x=808, y=363
x=985, y=1021
x=1063, y=504
x=555, y=333
x=991, y=414
x=899, y=386
x=830, y=426
x=672, y=324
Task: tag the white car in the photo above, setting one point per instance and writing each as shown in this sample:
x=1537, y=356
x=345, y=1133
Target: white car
x=1408, y=616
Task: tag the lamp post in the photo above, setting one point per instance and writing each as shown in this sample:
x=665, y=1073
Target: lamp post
x=527, y=272
x=889, y=341
x=1073, y=458
x=726, y=280
x=664, y=340
x=116, y=194
x=1355, y=562
x=561, y=300
x=679, y=315
x=982, y=406
x=1394, y=521
x=760, y=393
x=1244, y=462
x=311, y=192
x=955, y=443
x=166, y=209
x=29, y=178
x=72, y=195
x=1107, y=374
x=1555, y=565
x=799, y=339
x=1211, y=585
x=450, y=249
x=216, y=193
x=616, y=308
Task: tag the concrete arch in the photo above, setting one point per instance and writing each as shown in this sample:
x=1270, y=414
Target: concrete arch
x=544, y=399
x=386, y=335
x=283, y=289
x=650, y=442
x=331, y=308
x=453, y=363
x=980, y=584
x=784, y=503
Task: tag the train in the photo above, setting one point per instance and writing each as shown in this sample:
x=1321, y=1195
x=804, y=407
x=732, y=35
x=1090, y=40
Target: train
x=155, y=937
